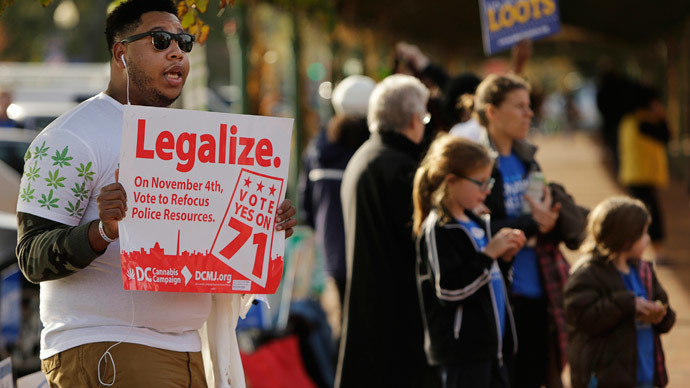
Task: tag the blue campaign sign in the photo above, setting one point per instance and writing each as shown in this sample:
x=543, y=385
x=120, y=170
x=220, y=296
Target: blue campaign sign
x=506, y=22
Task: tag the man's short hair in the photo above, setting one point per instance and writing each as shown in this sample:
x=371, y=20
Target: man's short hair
x=394, y=102
x=124, y=19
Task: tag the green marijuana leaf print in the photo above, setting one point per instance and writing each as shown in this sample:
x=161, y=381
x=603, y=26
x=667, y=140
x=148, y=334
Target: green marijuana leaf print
x=49, y=201
x=32, y=173
x=80, y=191
x=61, y=159
x=74, y=210
x=27, y=155
x=27, y=193
x=55, y=181
x=39, y=153
x=85, y=171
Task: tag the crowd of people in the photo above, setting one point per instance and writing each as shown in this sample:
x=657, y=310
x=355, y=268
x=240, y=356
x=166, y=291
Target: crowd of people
x=443, y=246
x=454, y=276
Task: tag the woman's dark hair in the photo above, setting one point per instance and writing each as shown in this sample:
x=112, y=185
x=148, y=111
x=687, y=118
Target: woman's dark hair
x=643, y=95
x=126, y=17
x=348, y=130
x=455, y=95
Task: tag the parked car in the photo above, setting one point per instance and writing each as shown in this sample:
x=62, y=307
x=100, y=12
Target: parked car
x=36, y=115
x=13, y=145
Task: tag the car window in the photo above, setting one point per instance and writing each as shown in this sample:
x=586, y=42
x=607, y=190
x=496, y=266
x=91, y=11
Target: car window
x=12, y=153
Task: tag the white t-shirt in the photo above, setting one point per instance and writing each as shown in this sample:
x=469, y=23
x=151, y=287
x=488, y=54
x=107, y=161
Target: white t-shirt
x=69, y=162
x=470, y=129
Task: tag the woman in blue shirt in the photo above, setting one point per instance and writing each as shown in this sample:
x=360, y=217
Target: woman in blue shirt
x=502, y=106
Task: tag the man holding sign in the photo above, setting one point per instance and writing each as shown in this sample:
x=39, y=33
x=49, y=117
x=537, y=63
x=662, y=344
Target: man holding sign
x=68, y=212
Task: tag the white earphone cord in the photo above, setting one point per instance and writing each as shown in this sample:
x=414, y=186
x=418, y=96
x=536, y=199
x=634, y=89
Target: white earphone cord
x=107, y=353
x=127, y=72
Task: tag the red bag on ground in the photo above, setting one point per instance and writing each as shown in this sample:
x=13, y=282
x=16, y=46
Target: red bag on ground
x=277, y=364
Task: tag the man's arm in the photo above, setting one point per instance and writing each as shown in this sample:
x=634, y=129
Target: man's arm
x=49, y=250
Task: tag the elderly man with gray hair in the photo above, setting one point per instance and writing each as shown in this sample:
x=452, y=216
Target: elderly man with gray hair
x=382, y=343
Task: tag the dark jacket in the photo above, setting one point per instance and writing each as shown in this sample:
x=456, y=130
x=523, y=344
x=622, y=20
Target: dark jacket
x=324, y=166
x=453, y=279
x=602, y=336
x=383, y=337
x=495, y=201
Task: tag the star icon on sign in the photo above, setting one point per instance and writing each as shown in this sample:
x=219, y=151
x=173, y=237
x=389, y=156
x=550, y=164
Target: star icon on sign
x=273, y=189
x=260, y=186
x=247, y=182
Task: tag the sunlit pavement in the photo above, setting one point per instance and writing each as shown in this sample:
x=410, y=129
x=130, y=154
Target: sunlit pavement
x=576, y=161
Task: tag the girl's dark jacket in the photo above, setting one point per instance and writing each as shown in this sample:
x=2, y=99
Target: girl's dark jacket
x=600, y=312
x=453, y=280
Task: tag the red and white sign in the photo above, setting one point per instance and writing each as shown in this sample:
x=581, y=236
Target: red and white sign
x=202, y=193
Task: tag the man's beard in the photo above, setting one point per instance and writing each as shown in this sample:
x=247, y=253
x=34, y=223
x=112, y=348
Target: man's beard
x=150, y=95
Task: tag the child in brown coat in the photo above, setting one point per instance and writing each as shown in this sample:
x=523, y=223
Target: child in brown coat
x=615, y=306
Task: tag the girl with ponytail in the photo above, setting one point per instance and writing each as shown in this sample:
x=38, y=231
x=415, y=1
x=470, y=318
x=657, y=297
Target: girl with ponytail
x=469, y=330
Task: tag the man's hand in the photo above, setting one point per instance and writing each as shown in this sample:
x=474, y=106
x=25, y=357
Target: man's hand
x=284, y=220
x=412, y=55
x=112, y=208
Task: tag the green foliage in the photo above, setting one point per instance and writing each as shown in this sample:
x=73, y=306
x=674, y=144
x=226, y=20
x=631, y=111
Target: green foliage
x=201, y=5
x=4, y=4
x=189, y=12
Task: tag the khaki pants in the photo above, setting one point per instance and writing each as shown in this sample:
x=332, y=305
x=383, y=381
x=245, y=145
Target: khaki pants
x=135, y=366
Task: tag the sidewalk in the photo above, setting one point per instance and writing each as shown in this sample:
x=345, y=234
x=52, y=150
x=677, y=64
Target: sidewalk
x=575, y=161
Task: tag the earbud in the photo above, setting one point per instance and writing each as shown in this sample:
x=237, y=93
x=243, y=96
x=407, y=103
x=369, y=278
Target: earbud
x=123, y=60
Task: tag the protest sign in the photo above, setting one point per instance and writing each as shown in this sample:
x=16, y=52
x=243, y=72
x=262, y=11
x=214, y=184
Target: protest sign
x=202, y=189
x=506, y=22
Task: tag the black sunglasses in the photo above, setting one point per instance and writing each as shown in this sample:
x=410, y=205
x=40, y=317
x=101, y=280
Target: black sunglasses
x=161, y=39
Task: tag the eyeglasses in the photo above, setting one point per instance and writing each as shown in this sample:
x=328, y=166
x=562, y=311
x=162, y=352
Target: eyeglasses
x=483, y=186
x=161, y=39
